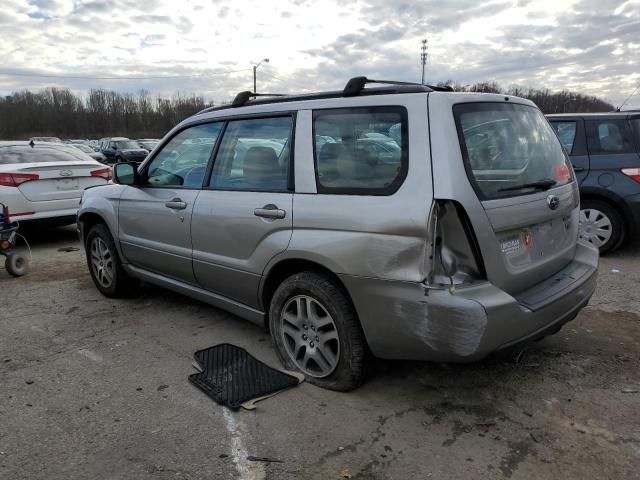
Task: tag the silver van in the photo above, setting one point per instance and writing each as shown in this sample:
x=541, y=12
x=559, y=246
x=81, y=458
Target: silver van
x=400, y=221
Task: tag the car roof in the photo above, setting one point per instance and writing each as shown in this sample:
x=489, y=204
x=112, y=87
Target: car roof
x=601, y=115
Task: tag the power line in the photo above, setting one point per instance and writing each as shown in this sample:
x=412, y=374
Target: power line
x=632, y=94
x=87, y=77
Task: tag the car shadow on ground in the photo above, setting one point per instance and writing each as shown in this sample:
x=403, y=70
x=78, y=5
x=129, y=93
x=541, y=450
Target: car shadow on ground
x=44, y=235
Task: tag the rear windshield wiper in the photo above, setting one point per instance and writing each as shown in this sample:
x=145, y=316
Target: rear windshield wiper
x=539, y=185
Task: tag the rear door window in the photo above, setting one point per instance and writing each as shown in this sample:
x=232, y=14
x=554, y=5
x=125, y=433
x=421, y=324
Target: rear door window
x=360, y=150
x=609, y=137
x=509, y=149
x=566, y=133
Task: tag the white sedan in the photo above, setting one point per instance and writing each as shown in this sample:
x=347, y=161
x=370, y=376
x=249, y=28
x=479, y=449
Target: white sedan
x=44, y=181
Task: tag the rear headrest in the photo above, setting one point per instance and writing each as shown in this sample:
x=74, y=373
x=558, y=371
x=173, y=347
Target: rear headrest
x=331, y=150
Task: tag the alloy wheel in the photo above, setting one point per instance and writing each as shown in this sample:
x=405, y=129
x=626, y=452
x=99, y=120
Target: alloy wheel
x=310, y=336
x=101, y=262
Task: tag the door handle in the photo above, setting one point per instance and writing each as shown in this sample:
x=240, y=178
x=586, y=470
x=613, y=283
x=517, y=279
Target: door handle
x=578, y=169
x=176, y=204
x=269, y=211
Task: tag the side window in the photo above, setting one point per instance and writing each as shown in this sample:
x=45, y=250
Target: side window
x=254, y=154
x=183, y=161
x=608, y=136
x=360, y=150
x=566, y=132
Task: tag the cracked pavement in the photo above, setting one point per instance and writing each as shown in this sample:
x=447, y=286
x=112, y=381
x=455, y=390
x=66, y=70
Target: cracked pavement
x=97, y=388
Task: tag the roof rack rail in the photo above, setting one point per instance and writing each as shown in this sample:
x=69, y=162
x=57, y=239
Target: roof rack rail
x=355, y=85
x=243, y=97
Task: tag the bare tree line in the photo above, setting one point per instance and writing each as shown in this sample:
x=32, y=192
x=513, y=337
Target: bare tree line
x=564, y=101
x=102, y=113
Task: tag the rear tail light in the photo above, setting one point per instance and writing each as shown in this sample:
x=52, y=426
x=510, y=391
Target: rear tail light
x=102, y=173
x=455, y=256
x=634, y=173
x=16, y=179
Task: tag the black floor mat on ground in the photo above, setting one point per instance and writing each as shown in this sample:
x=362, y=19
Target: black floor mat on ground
x=232, y=376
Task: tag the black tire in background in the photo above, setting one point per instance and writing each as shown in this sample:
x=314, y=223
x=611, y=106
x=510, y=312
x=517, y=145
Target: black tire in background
x=594, y=211
x=16, y=264
x=101, y=255
x=349, y=371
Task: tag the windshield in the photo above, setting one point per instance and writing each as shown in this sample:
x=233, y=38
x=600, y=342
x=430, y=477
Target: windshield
x=127, y=145
x=509, y=149
x=15, y=154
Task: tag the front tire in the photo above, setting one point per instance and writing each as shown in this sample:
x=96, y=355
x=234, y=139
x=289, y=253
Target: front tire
x=601, y=225
x=316, y=331
x=105, y=265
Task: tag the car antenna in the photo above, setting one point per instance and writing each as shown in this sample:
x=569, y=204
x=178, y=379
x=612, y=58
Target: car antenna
x=242, y=98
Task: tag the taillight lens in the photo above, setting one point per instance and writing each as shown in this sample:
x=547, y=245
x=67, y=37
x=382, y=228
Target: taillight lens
x=103, y=173
x=632, y=172
x=16, y=179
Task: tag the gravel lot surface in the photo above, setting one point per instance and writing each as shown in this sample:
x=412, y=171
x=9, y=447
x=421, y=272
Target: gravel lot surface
x=93, y=388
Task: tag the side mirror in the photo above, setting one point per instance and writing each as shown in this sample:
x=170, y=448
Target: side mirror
x=113, y=147
x=125, y=173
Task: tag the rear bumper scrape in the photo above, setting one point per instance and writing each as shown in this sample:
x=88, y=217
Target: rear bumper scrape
x=405, y=320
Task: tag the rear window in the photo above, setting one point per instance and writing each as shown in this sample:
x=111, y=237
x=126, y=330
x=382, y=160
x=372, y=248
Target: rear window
x=509, y=149
x=16, y=154
x=609, y=137
x=566, y=133
x=360, y=150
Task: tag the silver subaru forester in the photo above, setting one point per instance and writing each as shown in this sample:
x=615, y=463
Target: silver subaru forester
x=399, y=221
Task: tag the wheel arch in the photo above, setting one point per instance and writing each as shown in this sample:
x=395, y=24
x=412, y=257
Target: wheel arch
x=613, y=201
x=286, y=267
x=88, y=218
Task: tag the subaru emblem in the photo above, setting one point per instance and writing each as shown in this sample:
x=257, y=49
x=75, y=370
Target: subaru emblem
x=553, y=202
x=66, y=173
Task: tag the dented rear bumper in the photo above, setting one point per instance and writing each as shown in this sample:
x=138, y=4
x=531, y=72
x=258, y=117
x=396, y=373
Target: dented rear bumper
x=406, y=320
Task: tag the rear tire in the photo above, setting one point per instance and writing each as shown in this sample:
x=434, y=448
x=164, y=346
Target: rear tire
x=105, y=265
x=601, y=225
x=16, y=264
x=321, y=335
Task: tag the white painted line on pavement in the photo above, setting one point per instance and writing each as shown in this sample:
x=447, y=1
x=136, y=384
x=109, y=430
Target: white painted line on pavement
x=246, y=470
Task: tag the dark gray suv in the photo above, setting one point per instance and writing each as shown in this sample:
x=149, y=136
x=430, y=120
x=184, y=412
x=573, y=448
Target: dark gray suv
x=604, y=149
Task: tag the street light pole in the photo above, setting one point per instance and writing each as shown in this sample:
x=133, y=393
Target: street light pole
x=255, y=67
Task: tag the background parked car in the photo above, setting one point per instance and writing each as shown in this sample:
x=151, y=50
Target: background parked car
x=121, y=149
x=45, y=139
x=45, y=181
x=89, y=151
x=605, y=153
x=148, y=143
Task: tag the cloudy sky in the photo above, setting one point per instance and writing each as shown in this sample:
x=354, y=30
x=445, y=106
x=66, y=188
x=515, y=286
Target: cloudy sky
x=208, y=46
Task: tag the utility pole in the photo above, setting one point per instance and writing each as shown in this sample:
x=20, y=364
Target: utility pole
x=423, y=57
